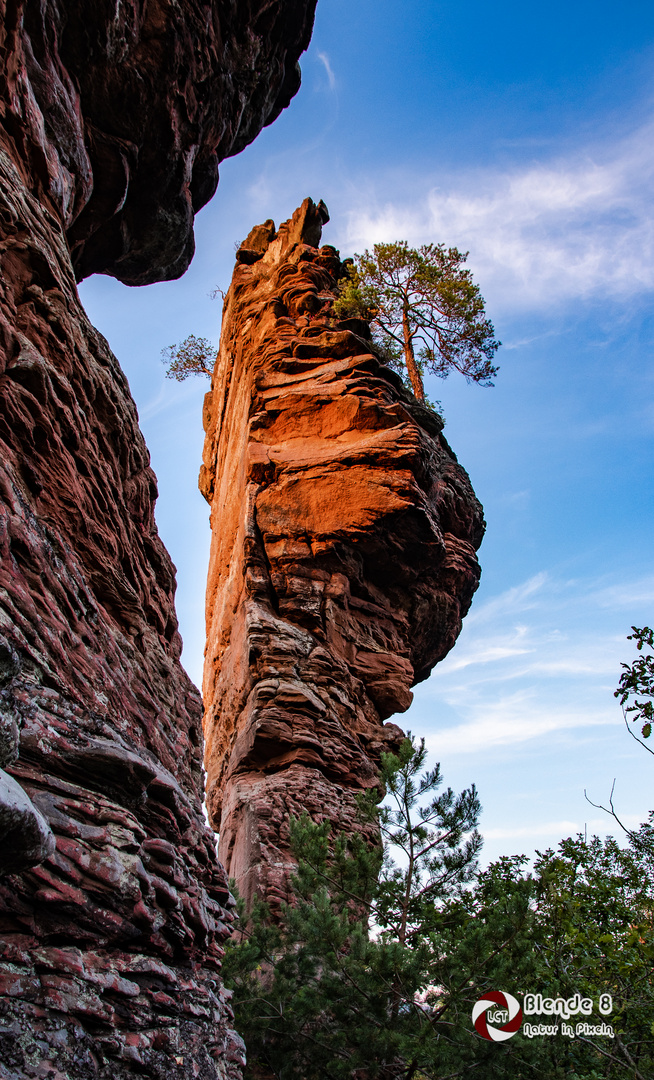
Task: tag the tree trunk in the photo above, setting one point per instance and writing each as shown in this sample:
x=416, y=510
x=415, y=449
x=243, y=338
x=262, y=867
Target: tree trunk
x=415, y=377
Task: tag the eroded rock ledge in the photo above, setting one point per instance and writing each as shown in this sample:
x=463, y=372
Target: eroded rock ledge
x=120, y=114
x=110, y=948
x=342, y=560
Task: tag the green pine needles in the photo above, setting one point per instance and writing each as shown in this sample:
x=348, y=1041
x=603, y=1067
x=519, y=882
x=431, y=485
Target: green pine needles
x=333, y=990
x=193, y=356
x=426, y=312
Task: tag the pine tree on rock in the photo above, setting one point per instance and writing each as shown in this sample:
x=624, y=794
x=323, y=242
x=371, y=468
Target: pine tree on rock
x=421, y=298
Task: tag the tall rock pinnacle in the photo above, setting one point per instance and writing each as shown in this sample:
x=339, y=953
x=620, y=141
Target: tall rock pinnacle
x=343, y=553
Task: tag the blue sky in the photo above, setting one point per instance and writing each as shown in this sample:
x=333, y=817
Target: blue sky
x=524, y=135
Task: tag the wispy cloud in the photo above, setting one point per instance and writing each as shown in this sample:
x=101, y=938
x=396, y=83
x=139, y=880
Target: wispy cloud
x=510, y=720
x=518, y=598
x=172, y=396
x=331, y=78
x=546, y=828
x=492, y=649
x=628, y=594
x=539, y=659
x=550, y=833
x=564, y=229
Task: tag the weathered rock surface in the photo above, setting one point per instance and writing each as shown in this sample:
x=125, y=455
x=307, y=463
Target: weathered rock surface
x=342, y=560
x=113, y=907
x=111, y=946
x=120, y=114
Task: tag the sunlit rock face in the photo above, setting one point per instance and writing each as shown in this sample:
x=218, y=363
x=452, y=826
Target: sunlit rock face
x=343, y=554
x=113, y=907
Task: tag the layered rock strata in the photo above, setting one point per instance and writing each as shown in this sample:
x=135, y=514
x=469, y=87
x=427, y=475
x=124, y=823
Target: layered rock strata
x=343, y=553
x=110, y=948
x=113, y=907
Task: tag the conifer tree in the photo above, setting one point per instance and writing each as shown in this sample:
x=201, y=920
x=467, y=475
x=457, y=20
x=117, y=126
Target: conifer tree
x=193, y=356
x=421, y=297
x=374, y=968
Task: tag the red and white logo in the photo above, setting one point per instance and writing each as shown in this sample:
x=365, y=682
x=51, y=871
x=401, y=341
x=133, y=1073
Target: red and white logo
x=498, y=1008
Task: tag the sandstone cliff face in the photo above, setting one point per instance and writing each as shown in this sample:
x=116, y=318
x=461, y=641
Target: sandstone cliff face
x=342, y=560
x=110, y=947
x=120, y=114
x=113, y=908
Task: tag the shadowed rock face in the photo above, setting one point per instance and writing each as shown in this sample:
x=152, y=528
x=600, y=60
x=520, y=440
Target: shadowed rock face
x=121, y=113
x=342, y=560
x=110, y=948
x=113, y=907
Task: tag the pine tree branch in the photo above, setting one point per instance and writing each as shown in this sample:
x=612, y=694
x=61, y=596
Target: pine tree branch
x=629, y=1064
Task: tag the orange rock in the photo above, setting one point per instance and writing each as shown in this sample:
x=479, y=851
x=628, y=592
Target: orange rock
x=342, y=559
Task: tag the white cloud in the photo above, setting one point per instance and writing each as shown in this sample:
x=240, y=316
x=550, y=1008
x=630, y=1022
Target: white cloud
x=575, y=227
x=331, y=78
x=550, y=833
x=518, y=598
x=627, y=595
x=546, y=828
x=537, y=661
x=510, y=720
x=491, y=649
x=260, y=194
x=172, y=396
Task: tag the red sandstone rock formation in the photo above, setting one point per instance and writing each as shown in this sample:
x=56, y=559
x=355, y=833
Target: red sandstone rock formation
x=118, y=116
x=342, y=560
x=112, y=121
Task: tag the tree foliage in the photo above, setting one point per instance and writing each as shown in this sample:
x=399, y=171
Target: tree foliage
x=331, y=991
x=595, y=933
x=425, y=310
x=194, y=356
x=439, y=843
x=375, y=967
x=637, y=681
